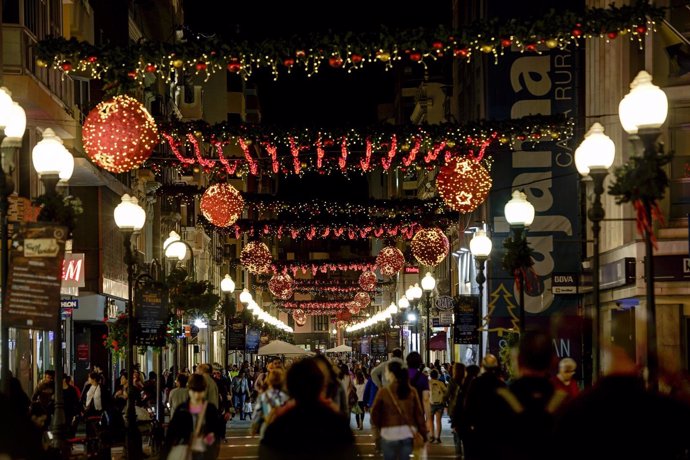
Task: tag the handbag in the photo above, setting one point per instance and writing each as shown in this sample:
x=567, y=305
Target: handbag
x=417, y=438
x=183, y=451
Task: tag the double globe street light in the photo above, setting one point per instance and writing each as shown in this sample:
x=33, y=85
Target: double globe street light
x=130, y=218
x=428, y=285
x=480, y=247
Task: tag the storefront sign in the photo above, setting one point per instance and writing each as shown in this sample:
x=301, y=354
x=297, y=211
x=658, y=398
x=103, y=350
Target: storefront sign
x=567, y=283
x=409, y=270
x=365, y=346
x=393, y=340
x=253, y=340
x=618, y=273
x=466, y=328
x=672, y=268
x=83, y=352
x=33, y=296
x=444, y=302
x=444, y=319
x=235, y=340
x=73, y=270
x=69, y=303
x=151, y=315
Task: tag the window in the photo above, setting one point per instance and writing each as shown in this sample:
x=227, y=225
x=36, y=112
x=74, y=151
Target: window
x=321, y=323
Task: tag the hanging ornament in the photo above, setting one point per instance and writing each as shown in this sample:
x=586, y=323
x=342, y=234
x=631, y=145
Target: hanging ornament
x=280, y=286
x=343, y=315
x=353, y=307
x=430, y=246
x=390, y=260
x=463, y=184
x=300, y=317
x=222, y=204
x=367, y=281
x=362, y=299
x=256, y=257
x=119, y=134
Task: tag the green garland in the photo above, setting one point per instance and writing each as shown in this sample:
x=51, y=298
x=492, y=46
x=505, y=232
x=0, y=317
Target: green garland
x=191, y=297
x=517, y=256
x=350, y=50
x=641, y=179
x=59, y=209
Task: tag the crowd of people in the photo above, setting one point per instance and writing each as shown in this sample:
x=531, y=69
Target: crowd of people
x=306, y=409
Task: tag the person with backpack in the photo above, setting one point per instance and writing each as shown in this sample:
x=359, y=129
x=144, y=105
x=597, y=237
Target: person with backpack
x=438, y=396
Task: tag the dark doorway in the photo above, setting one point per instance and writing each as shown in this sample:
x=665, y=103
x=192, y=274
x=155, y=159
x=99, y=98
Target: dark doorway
x=623, y=330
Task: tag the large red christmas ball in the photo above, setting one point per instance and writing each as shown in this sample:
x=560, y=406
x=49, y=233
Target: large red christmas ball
x=353, y=307
x=463, y=184
x=367, y=280
x=362, y=299
x=300, y=317
x=256, y=257
x=390, y=260
x=343, y=315
x=430, y=246
x=222, y=204
x=119, y=134
x=280, y=286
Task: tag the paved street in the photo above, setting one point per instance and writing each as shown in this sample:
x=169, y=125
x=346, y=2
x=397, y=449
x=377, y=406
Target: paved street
x=240, y=445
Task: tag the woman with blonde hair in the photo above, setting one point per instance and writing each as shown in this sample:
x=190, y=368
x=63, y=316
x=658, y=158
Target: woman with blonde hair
x=272, y=398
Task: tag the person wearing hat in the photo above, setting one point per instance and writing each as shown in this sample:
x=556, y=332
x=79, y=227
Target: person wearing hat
x=482, y=403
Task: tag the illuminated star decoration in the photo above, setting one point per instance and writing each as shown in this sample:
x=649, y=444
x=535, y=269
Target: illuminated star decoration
x=367, y=281
x=119, y=134
x=281, y=285
x=256, y=257
x=430, y=246
x=390, y=260
x=463, y=184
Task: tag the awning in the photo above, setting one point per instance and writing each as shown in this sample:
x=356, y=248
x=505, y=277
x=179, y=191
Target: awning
x=438, y=342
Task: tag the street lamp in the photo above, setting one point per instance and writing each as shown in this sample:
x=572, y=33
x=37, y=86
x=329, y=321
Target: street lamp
x=428, y=284
x=519, y=214
x=13, y=125
x=174, y=247
x=593, y=158
x=643, y=110
x=130, y=218
x=53, y=162
x=227, y=286
x=480, y=247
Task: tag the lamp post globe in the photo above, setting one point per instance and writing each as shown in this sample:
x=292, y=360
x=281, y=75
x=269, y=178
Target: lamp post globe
x=5, y=106
x=417, y=291
x=428, y=282
x=480, y=244
x=403, y=303
x=644, y=107
x=597, y=151
x=227, y=285
x=15, y=126
x=245, y=296
x=172, y=250
x=51, y=159
x=409, y=294
x=129, y=216
x=519, y=211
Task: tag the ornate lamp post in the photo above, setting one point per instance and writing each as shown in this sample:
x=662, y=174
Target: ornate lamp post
x=520, y=214
x=175, y=247
x=227, y=287
x=428, y=284
x=53, y=163
x=13, y=125
x=643, y=110
x=413, y=294
x=593, y=158
x=403, y=305
x=480, y=247
x=130, y=218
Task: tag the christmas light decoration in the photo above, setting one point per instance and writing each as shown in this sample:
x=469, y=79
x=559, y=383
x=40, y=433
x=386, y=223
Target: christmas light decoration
x=276, y=151
x=368, y=280
x=119, y=134
x=430, y=246
x=362, y=299
x=256, y=257
x=322, y=266
x=349, y=51
x=353, y=308
x=280, y=286
x=463, y=184
x=222, y=204
x=390, y=260
x=300, y=317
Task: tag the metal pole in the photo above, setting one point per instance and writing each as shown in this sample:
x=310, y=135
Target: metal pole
x=596, y=214
x=481, y=279
x=648, y=138
x=427, y=335
x=6, y=187
x=133, y=435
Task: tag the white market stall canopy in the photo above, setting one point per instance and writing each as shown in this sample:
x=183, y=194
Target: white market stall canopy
x=278, y=347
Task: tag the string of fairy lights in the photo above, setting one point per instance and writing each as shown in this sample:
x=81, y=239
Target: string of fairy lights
x=349, y=51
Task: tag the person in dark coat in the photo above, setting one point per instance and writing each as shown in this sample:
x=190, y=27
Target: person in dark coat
x=184, y=422
x=329, y=433
x=619, y=418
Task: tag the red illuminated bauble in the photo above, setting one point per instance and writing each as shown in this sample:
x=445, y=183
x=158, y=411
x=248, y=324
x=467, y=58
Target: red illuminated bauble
x=222, y=204
x=430, y=246
x=641, y=29
x=343, y=316
x=66, y=66
x=150, y=68
x=506, y=42
x=288, y=62
x=200, y=66
x=119, y=134
x=367, y=281
x=353, y=307
x=612, y=35
x=300, y=317
x=463, y=184
x=462, y=52
x=416, y=56
x=335, y=61
x=437, y=45
x=390, y=260
x=234, y=66
x=256, y=257
x=280, y=286
x=362, y=299
x=356, y=58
